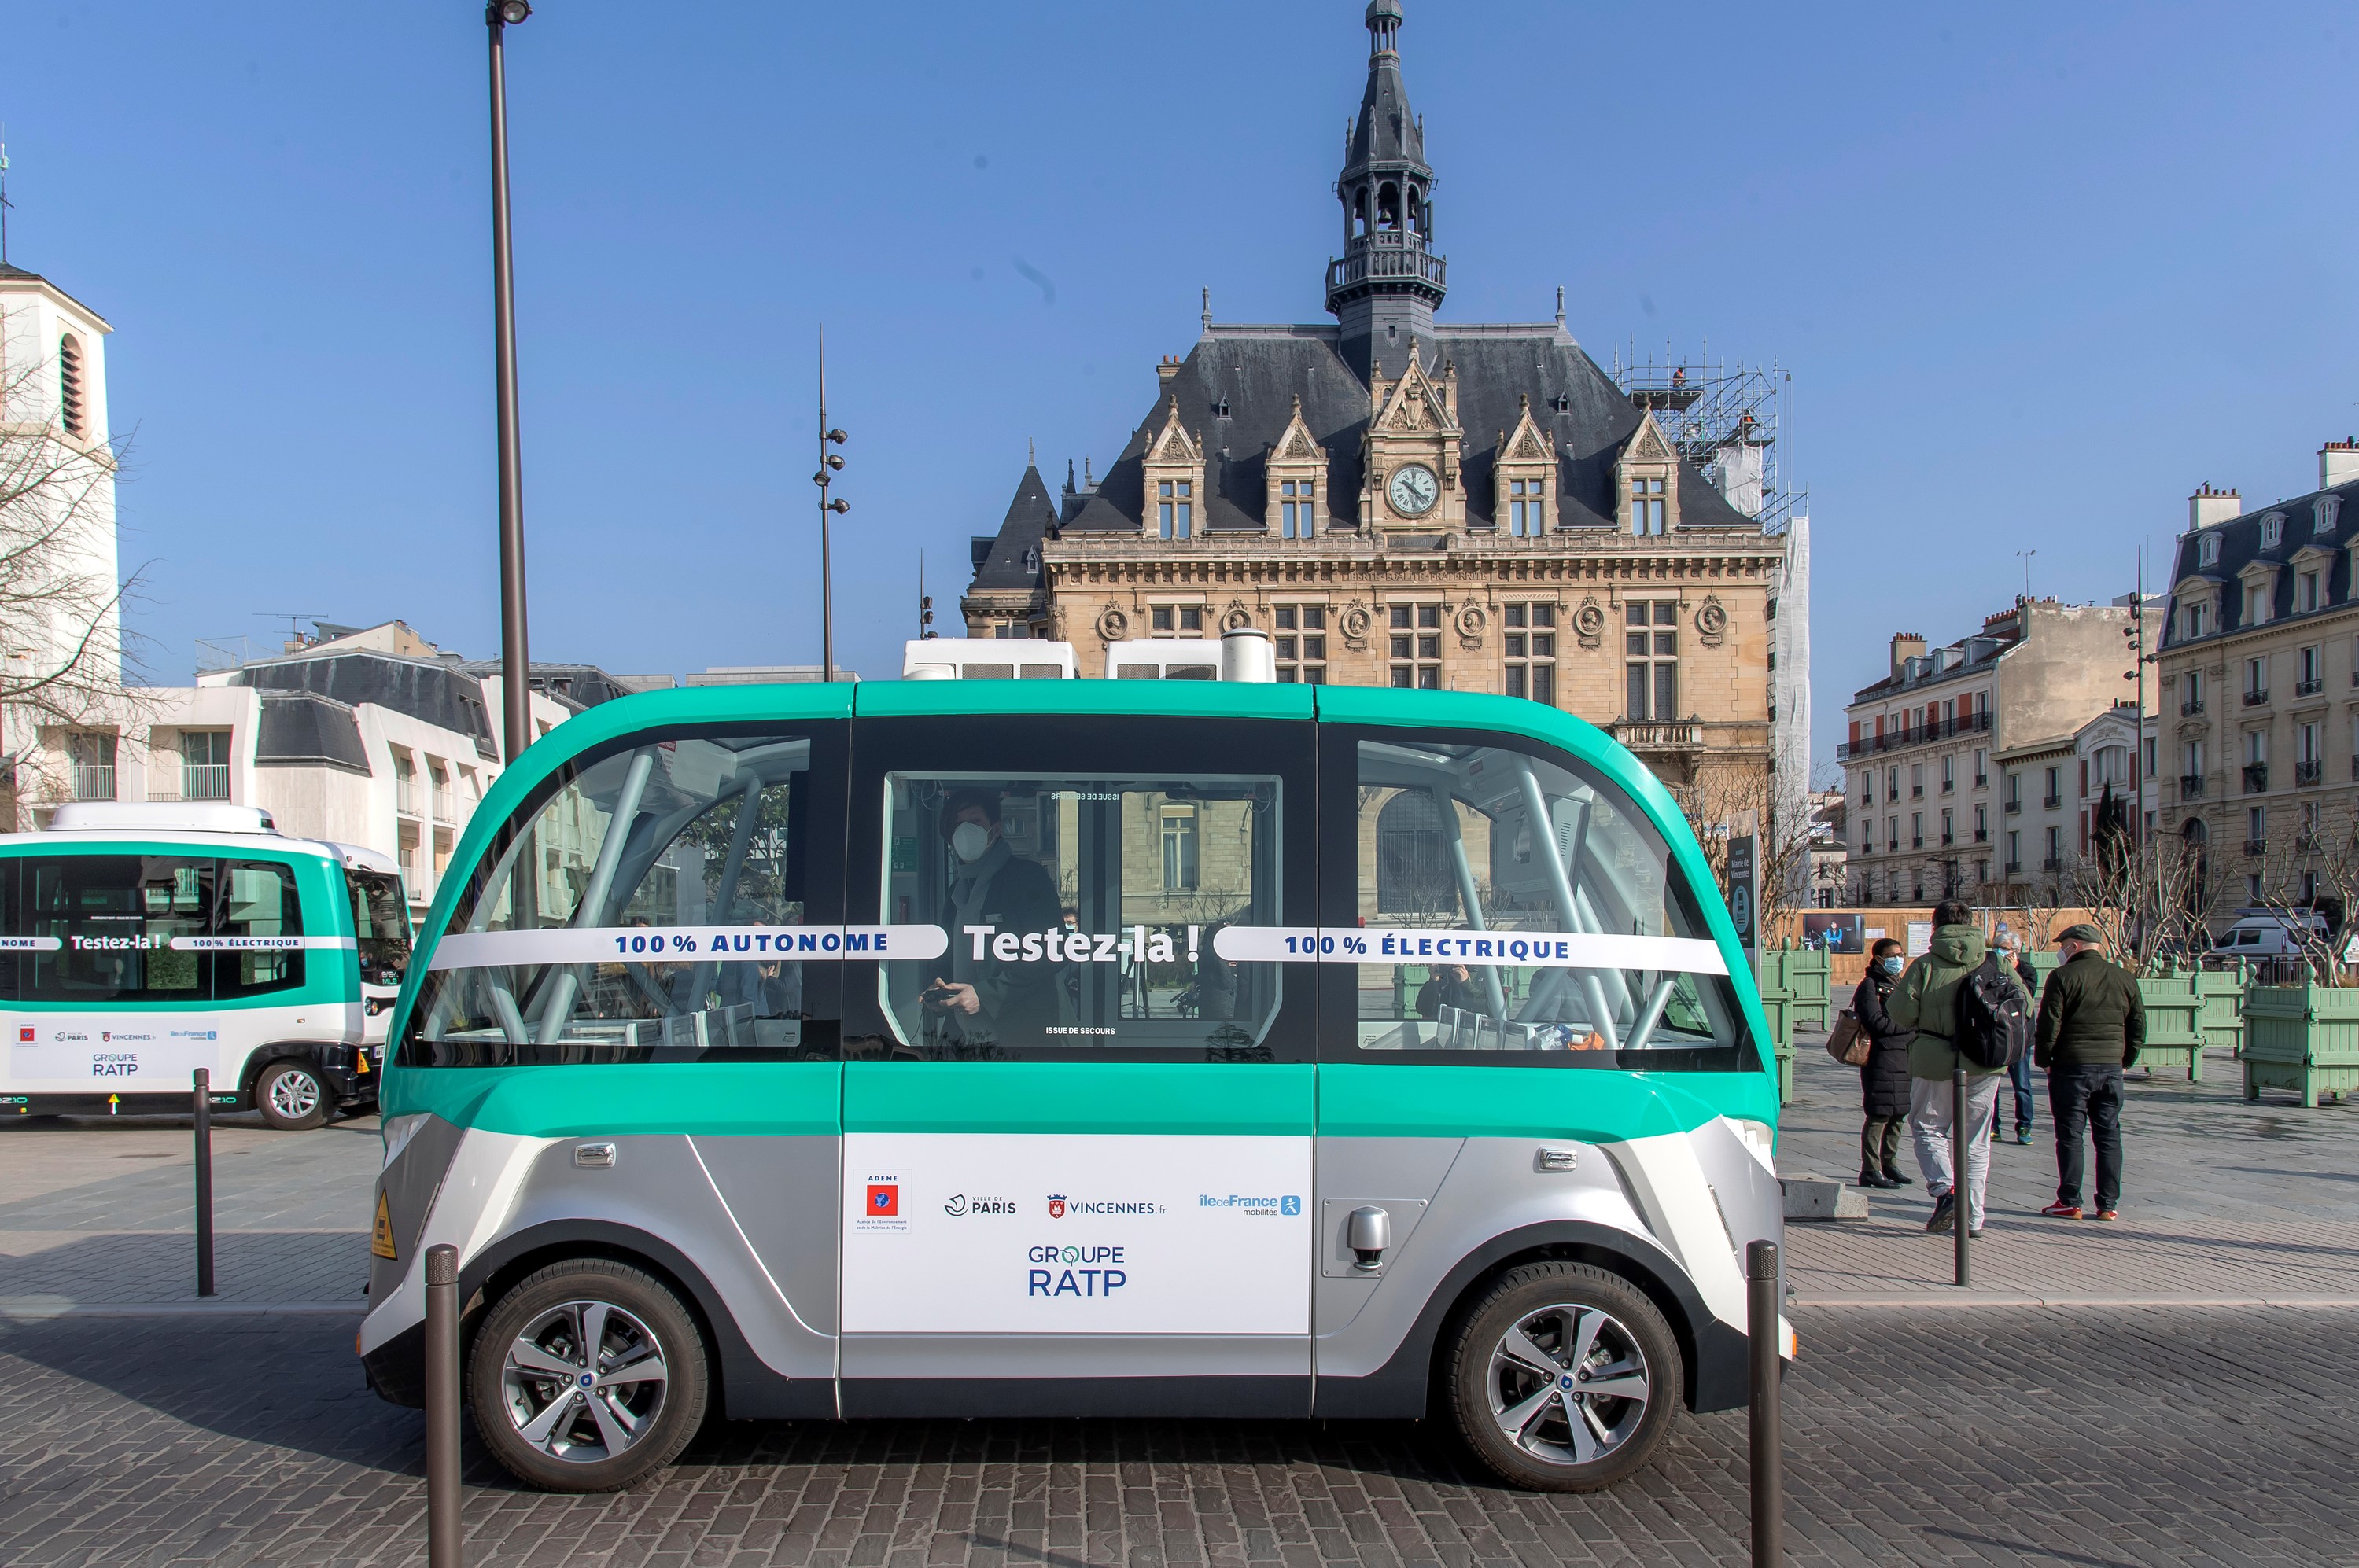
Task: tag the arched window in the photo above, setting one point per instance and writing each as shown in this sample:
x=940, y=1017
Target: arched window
x=1416, y=210
x=1388, y=206
x=1360, y=213
x=1412, y=863
x=69, y=390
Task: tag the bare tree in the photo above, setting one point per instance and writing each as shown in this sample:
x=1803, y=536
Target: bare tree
x=1722, y=802
x=2150, y=897
x=61, y=647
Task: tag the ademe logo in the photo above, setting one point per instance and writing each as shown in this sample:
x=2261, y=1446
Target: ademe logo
x=1252, y=1207
x=884, y=1200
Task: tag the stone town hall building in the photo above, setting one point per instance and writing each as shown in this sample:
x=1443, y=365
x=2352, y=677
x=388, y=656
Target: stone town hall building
x=1465, y=508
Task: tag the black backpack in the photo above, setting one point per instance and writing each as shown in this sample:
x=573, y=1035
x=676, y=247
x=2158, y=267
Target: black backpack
x=1993, y=1024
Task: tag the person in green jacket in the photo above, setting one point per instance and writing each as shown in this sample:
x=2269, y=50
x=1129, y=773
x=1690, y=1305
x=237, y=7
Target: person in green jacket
x=1927, y=1001
x=2092, y=1025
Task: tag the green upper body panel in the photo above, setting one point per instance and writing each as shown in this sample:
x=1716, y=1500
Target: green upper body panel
x=1352, y=1099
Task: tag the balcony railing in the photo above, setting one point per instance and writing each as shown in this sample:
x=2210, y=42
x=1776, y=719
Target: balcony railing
x=1916, y=792
x=1947, y=839
x=2012, y=807
x=2190, y=785
x=1913, y=735
x=405, y=795
x=2256, y=847
x=204, y=781
x=2050, y=802
x=1981, y=835
x=1645, y=737
x=2309, y=773
x=1982, y=781
x=1949, y=786
x=2191, y=707
x=445, y=812
x=2309, y=687
x=2256, y=697
x=2256, y=777
x=2052, y=863
x=1918, y=843
x=2015, y=867
x=1386, y=254
x=93, y=780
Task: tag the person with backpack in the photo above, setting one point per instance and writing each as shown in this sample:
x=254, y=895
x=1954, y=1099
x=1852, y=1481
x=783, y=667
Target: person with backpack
x=2092, y=1025
x=1965, y=1006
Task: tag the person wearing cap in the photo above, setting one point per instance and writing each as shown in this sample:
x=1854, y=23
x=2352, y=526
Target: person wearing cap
x=2092, y=1025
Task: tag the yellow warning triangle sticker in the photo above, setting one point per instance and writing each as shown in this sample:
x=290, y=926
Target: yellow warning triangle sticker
x=381, y=1237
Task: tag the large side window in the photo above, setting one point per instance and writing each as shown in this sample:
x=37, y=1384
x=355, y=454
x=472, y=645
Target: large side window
x=102, y=928
x=381, y=925
x=658, y=901
x=263, y=918
x=1512, y=907
x=1081, y=873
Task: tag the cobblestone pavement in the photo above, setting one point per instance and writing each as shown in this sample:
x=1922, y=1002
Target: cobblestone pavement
x=99, y=1214
x=2222, y=1202
x=2042, y=1436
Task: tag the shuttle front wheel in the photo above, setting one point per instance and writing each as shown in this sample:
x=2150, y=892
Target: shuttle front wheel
x=1564, y=1377
x=587, y=1376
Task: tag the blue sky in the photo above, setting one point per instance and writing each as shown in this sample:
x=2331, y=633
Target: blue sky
x=2038, y=273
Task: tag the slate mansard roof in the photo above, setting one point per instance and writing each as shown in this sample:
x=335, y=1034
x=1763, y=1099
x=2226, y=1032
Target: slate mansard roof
x=2240, y=547
x=1257, y=371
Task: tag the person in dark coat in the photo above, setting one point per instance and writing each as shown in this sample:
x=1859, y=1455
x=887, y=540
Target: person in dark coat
x=1884, y=1077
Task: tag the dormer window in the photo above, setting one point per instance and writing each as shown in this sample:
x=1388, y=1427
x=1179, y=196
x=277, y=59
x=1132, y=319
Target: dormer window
x=2322, y=514
x=1175, y=508
x=2207, y=550
x=2305, y=591
x=1646, y=505
x=1528, y=508
x=2256, y=604
x=70, y=412
x=1295, y=516
x=2272, y=530
x=2191, y=618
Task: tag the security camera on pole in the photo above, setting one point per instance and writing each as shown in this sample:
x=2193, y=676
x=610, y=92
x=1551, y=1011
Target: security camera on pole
x=829, y=462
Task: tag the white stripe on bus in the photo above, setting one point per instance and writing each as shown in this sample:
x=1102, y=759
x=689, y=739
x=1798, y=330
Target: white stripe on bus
x=687, y=944
x=1538, y=949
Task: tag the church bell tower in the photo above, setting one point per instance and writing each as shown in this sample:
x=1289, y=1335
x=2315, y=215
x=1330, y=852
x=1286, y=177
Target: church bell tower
x=1384, y=287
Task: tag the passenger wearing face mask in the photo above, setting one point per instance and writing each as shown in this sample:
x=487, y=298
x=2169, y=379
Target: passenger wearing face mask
x=990, y=1000
x=1884, y=1077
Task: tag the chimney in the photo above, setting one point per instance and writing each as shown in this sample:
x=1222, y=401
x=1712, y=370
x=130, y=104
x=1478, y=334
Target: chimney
x=1166, y=368
x=2208, y=505
x=1905, y=646
x=2338, y=463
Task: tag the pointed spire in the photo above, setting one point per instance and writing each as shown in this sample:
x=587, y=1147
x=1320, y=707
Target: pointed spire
x=1386, y=288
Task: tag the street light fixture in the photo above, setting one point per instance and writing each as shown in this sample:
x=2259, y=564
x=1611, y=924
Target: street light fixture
x=830, y=463
x=516, y=667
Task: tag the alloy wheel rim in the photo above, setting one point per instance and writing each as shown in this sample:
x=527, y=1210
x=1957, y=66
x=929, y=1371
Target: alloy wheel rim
x=584, y=1381
x=1568, y=1384
x=294, y=1095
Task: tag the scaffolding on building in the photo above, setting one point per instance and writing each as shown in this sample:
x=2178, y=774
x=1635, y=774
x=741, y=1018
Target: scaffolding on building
x=1725, y=417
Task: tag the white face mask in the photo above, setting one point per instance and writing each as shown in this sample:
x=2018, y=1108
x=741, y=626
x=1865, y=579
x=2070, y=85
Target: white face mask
x=970, y=840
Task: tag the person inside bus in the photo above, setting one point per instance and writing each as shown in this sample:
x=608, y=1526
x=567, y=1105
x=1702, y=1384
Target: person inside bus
x=1449, y=985
x=987, y=999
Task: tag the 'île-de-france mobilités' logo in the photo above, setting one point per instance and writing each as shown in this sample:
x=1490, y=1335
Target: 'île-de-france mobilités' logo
x=1056, y=1206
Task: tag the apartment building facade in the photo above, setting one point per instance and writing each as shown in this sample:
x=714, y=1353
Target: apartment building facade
x=2259, y=669
x=1962, y=764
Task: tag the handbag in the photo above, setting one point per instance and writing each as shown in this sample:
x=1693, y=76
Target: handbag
x=1847, y=1042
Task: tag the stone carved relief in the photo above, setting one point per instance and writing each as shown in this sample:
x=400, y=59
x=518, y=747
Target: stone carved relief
x=1114, y=623
x=1589, y=623
x=1238, y=620
x=1353, y=623
x=1711, y=621
x=1470, y=624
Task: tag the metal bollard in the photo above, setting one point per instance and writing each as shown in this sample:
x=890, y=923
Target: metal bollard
x=203, y=1097
x=1761, y=1305
x=442, y=1534
x=1961, y=1140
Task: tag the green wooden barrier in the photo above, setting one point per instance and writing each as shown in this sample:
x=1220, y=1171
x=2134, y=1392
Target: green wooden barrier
x=1777, y=1003
x=2174, y=1034
x=1804, y=974
x=2223, y=1021
x=2304, y=1038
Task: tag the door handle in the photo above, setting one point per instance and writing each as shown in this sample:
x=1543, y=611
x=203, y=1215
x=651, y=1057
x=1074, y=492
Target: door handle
x=1367, y=1232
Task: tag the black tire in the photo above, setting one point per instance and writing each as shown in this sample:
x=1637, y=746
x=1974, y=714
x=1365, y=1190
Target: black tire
x=292, y=1096
x=1561, y=1308
x=549, y=1311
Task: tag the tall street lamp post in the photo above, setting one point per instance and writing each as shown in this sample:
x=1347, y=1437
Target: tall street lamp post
x=829, y=462
x=516, y=681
